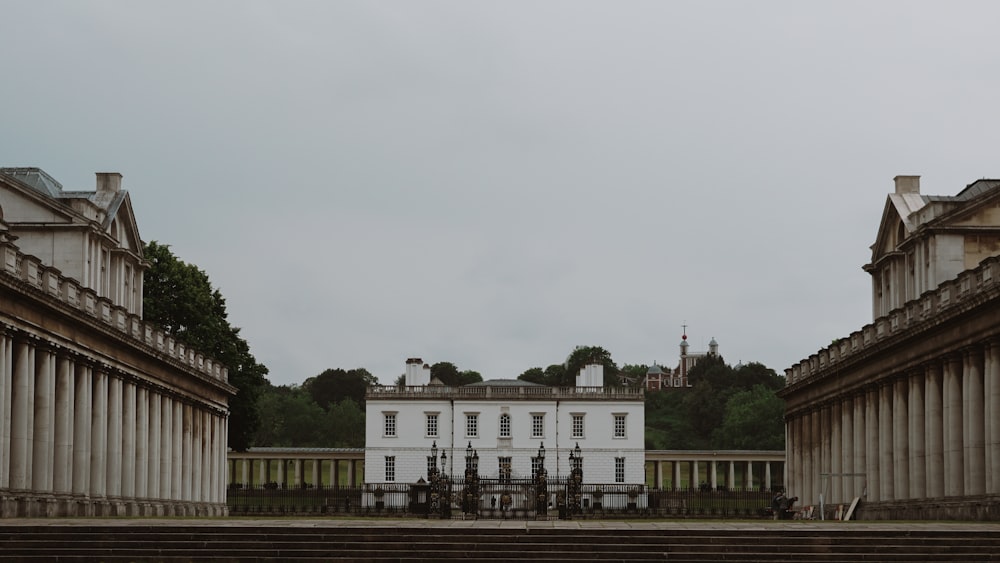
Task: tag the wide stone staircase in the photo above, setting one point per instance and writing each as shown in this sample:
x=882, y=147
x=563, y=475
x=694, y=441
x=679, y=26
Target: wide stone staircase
x=231, y=541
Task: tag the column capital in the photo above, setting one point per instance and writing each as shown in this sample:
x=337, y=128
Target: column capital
x=973, y=351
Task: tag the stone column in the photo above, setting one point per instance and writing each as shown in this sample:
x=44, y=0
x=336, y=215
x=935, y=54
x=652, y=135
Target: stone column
x=934, y=430
x=43, y=439
x=21, y=415
x=872, y=457
x=713, y=469
x=166, y=445
x=351, y=483
x=836, y=455
x=336, y=483
x=187, y=452
x=219, y=467
x=129, y=429
x=886, y=480
x=798, y=456
x=265, y=471
x=177, y=476
x=694, y=482
x=847, y=447
x=206, y=456
x=82, y=417
x=954, y=472
x=918, y=456
x=62, y=461
x=155, y=445
x=142, y=443
x=6, y=391
x=901, y=438
x=731, y=476
x=300, y=472
x=748, y=476
x=247, y=467
x=114, y=448
x=767, y=475
x=197, y=451
x=992, y=375
x=816, y=466
x=825, y=452
x=975, y=453
x=99, y=433
x=860, y=448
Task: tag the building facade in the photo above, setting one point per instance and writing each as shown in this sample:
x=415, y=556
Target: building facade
x=905, y=412
x=658, y=379
x=101, y=413
x=506, y=422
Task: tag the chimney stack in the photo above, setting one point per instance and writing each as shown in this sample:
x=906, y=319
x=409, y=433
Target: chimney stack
x=907, y=184
x=109, y=182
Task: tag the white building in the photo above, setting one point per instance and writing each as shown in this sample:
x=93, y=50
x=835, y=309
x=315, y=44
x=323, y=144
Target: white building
x=506, y=422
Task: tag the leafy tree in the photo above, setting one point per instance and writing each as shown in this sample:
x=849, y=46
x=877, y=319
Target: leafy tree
x=180, y=298
x=334, y=385
x=533, y=375
x=446, y=372
x=555, y=374
x=754, y=420
x=585, y=355
x=469, y=376
x=291, y=418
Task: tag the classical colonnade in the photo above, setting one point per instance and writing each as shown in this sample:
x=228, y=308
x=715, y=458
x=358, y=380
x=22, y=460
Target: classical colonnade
x=287, y=467
x=82, y=437
x=691, y=469
x=929, y=432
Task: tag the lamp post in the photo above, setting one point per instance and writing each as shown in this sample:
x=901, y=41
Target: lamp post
x=434, y=477
x=541, y=488
x=575, y=485
x=445, y=487
x=470, y=497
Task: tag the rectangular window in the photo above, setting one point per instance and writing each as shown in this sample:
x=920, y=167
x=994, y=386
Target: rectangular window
x=504, y=468
x=432, y=425
x=578, y=426
x=505, y=425
x=390, y=468
x=472, y=425
x=619, y=426
x=619, y=470
x=390, y=424
x=535, y=465
x=538, y=426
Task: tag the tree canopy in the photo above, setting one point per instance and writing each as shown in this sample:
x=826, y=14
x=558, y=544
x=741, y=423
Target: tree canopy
x=180, y=298
x=725, y=408
x=334, y=385
x=564, y=374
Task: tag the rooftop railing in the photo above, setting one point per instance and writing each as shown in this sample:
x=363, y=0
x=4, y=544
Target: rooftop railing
x=51, y=284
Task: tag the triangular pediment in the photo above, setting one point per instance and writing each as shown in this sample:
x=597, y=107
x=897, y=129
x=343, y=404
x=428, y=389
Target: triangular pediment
x=121, y=225
x=891, y=228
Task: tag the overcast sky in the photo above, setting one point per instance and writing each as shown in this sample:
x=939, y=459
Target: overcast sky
x=494, y=183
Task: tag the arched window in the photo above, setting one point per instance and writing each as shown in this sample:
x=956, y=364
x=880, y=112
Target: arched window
x=505, y=425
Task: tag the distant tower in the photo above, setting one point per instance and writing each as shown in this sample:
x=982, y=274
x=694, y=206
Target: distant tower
x=684, y=353
x=713, y=347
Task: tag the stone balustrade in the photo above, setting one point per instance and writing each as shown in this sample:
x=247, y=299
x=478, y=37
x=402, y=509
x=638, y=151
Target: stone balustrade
x=953, y=296
x=69, y=293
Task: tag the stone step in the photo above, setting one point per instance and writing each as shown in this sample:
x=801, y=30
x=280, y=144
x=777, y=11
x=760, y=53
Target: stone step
x=228, y=542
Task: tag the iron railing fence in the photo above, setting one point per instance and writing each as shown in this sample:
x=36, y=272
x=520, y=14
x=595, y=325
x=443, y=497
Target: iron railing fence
x=501, y=499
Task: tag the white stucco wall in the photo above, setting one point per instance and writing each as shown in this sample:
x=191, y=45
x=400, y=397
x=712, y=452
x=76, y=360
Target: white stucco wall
x=600, y=448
